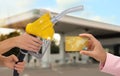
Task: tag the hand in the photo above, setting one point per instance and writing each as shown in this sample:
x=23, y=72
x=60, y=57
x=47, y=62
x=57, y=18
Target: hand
x=10, y=63
x=28, y=42
x=19, y=67
x=95, y=48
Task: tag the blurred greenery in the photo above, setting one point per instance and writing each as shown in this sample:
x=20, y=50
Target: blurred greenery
x=14, y=50
x=6, y=36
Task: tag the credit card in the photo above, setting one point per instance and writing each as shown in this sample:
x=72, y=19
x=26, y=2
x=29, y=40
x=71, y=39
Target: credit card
x=75, y=43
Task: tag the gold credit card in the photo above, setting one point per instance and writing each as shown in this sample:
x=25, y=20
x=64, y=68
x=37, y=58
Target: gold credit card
x=75, y=43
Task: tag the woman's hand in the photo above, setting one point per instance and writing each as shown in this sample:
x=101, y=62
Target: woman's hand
x=28, y=42
x=95, y=48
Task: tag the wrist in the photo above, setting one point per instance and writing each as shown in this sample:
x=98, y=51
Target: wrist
x=103, y=60
x=6, y=45
x=13, y=42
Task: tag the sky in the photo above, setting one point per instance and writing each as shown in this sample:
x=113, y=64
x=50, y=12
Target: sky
x=99, y=10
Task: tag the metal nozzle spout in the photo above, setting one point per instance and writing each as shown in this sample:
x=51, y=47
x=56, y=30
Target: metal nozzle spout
x=70, y=10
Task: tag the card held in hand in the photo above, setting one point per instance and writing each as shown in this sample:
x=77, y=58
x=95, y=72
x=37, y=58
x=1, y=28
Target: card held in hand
x=75, y=43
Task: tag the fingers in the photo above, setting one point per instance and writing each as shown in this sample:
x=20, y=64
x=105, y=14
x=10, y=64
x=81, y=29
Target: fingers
x=29, y=42
x=19, y=66
x=10, y=62
x=37, y=40
x=93, y=42
x=33, y=46
x=14, y=58
x=33, y=38
x=90, y=36
x=88, y=53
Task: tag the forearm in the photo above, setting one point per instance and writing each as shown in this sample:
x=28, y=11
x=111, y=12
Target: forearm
x=6, y=45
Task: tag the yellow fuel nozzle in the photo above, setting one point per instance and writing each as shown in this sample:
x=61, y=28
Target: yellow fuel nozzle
x=43, y=27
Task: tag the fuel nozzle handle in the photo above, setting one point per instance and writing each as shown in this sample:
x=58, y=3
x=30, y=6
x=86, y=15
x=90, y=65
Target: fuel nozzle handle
x=70, y=10
x=21, y=56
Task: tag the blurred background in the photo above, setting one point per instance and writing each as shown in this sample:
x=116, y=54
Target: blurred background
x=100, y=18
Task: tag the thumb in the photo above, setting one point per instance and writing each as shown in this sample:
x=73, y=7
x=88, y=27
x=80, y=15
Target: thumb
x=14, y=58
x=88, y=53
